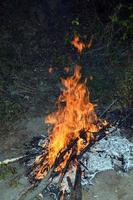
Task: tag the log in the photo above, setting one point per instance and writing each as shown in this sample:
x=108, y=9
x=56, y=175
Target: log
x=34, y=190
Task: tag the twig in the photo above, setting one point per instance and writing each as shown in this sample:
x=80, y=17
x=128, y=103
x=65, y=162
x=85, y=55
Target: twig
x=99, y=136
x=81, y=163
x=60, y=158
x=71, y=157
x=108, y=108
x=34, y=190
x=12, y=160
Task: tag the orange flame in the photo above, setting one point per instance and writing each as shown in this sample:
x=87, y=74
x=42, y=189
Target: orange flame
x=79, y=45
x=74, y=113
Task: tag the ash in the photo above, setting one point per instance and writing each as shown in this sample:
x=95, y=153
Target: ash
x=114, y=152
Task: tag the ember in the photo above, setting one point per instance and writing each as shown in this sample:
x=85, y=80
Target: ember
x=74, y=120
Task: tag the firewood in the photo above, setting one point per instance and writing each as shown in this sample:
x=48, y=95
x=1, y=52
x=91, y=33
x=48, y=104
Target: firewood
x=59, y=159
x=12, y=160
x=70, y=159
x=96, y=137
x=34, y=190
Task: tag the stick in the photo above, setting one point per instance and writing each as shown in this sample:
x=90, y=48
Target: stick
x=71, y=157
x=12, y=160
x=33, y=190
x=81, y=163
x=59, y=159
x=108, y=108
x=99, y=136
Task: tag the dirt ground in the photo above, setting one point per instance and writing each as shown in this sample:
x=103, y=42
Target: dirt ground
x=108, y=185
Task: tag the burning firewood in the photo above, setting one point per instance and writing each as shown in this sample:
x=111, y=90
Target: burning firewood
x=75, y=114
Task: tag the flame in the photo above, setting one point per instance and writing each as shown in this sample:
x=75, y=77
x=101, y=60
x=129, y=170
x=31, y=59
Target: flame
x=74, y=113
x=79, y=45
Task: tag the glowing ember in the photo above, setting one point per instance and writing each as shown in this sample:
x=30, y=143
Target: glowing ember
x=75, y=114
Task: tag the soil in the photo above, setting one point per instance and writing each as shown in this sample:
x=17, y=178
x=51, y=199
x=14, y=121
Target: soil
x=108, y=185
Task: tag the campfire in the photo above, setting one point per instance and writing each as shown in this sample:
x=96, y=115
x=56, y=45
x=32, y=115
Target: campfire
x=73, y=128
x=74, y=121
x=72, y=125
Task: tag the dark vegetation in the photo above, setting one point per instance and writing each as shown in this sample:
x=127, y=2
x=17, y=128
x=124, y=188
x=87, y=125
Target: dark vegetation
x=35, y=35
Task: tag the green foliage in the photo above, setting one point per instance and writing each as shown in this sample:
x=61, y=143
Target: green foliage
x=122, y=22
x=107, y=86
x=125, y=86
x=8, y=108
